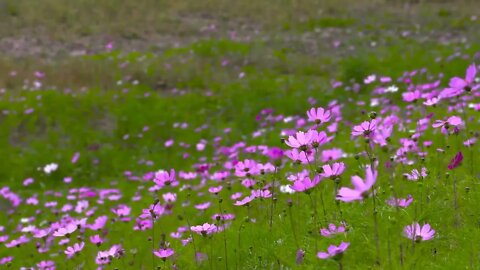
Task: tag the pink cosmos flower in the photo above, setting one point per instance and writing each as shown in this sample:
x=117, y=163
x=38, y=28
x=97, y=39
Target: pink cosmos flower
x=261, y=193
x=301, y=139
x=46, y=265
x=418, y=233
x=332, y=229
x=244, y=201
x=366, y=128
x=318, y=115
x=467, y=82
x=96, y=240
x=299, y=156
x=76, y=248
x=415, y=174
x=333, y=171
x=163, y=253
x=247, y=168
x=304, y=184
x=411, y=96
x=331, y=154
x=403, y=203
x=6, y=260
x=451, y=121
x=215, y=190
x=164, y=178
x=65, y=231
x=455, y=162
x=204, y=229
x=333, y=251
x=361, y=188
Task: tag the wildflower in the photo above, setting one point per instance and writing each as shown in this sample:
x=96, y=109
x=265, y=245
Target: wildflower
x=164, y=253
x=361, y=188
x=305, y=184
x=334, y=251
x=455, y=162
x=332, y=229
x=301, y=140
x=204, y=229
x=467, y=82
x=46, y=265
x=96, y=240
x=319, y=115
x=415, y=174
x=453, y=121
x=403, y=203
x=418, y=233
x=76, y=248
x=366, y=128
x=164, y=178
x=333, y=171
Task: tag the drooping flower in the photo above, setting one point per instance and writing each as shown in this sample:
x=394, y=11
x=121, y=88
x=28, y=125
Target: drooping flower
x=334, y=251
x=361, y=188
x=419, y=233
x=455, y=162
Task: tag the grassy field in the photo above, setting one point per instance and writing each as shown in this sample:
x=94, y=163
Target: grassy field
x=114, y=92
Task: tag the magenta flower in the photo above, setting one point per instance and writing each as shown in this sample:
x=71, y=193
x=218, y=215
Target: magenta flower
x=164, y=178
x=304, y=184
x=334, y=251
x=76, y=248
x=332, y=229
x=361, y=188
x=451, y=121
x=301, y=140
x=467, y=82
x=244, y=201
x=333, y=171
x=366, y=128
x=6, y=260
x=403, y=203
x=418, y=233
x=46, y=265
x=246, y=168
x=415, y=174
x=164, y=253
x=204, y=229
x=299, y=156
x=215, y=190
x=455, y=162
x=96, y=240
x=17, y=242
x=318, y=115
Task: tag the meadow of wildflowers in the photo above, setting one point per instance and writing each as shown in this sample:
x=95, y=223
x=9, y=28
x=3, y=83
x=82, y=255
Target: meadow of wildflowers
x=237, y=164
